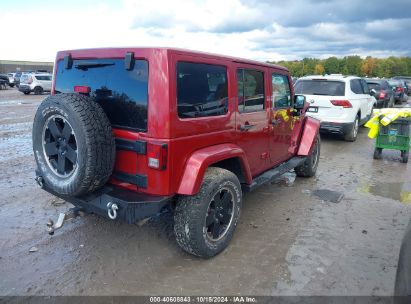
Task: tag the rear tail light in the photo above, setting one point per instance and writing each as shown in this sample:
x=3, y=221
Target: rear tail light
x=157, y=155
x=82, y=89
x=342, y=103
x=382, y=95
x=400, y=89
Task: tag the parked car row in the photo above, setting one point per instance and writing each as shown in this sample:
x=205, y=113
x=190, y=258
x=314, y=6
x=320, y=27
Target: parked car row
x=343, y=103
x=400, y=89
x=27, y=82
x=35, y=82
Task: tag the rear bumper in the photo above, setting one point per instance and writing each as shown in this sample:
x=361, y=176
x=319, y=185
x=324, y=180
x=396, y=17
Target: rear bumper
x=336, y=127
x=132, y=206
x=24, y=88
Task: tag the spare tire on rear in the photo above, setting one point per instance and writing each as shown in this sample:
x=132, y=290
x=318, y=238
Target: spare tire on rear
x=73, y=144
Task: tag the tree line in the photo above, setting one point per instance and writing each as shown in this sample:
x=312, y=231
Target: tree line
x=350, y=65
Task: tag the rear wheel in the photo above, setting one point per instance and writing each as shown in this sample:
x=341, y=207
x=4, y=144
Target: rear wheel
x=26, y=92
x=204, y=223
x=404, y=156
x=377, y=153
x=38, y=90
x=352, y=133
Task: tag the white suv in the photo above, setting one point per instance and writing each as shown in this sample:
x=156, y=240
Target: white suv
x=37, y=83
x=341, y=103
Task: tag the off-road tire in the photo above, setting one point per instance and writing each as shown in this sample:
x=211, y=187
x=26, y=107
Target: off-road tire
x=377, y=153
x=310, y=165
x=38, y=90
x=191, y=212
x=352, y=134
x=94, y=141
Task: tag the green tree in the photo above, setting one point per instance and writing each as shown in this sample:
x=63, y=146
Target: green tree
x=319, y=69
x=332, y=65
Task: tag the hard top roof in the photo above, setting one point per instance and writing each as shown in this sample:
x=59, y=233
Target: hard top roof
x=179, y=51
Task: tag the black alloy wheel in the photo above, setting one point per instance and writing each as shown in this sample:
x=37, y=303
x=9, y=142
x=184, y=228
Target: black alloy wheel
x=219, y=215
x=60, y=146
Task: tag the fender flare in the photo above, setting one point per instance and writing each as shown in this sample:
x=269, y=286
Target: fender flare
x=310, y=132
x=201, y=159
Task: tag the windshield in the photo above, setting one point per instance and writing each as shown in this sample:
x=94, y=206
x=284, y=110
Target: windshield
x=122, y=93
x=320, y=87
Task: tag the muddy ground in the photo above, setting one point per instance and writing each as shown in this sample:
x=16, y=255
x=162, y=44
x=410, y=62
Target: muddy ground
x=288, y=242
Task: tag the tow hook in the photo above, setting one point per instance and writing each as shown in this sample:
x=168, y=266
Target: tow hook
x=39, y=180
x=112, y=210
x=63, y=217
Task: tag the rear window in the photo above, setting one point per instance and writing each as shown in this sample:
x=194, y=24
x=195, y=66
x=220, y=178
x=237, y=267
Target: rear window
x=202, y=90
x=24, y=77
x=394, y=83
x=122, y=93
x=320, y=87
x=374, y=85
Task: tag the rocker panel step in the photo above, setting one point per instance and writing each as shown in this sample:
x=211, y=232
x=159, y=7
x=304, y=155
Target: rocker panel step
x=271, y=174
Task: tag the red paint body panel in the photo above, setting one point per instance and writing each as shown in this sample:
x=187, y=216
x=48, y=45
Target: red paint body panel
x=202, y=159
x=195, y=143
x=311, y=128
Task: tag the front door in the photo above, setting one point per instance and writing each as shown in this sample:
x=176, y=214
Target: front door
x=252, y=126
x=284, y=125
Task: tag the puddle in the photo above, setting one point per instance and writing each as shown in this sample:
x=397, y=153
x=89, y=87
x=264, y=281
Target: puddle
x=287, y=179
x=14, y=147
x=397, y=191
x=16, y=127
x=7, y=102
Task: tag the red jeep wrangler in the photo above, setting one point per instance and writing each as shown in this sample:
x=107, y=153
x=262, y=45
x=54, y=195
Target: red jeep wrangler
x=128, y=131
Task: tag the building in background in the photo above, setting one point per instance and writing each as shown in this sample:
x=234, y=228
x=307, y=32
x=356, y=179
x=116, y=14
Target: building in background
x=11, y=66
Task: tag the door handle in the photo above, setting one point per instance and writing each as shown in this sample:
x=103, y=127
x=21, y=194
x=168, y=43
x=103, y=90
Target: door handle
x=246, y=127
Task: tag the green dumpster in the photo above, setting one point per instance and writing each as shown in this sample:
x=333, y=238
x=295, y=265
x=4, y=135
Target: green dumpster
x=394, y=136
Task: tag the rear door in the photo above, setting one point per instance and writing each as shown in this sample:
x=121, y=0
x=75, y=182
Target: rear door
x=252, y=128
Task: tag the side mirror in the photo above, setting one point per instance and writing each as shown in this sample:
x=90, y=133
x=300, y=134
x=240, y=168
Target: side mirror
x=299, y=102
x=373, y=92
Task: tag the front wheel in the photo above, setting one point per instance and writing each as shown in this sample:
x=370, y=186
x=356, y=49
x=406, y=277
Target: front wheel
x=352, y=133
x=309, y=166
x=204, y=223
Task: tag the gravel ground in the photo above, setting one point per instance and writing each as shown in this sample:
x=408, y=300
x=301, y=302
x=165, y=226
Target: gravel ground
x=288, y=242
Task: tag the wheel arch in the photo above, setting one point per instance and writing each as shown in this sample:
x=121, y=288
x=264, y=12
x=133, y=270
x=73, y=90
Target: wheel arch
x=309, y=134
x=225, y=156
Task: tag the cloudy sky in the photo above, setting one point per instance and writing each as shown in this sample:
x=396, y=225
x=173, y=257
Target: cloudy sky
x=254, y=29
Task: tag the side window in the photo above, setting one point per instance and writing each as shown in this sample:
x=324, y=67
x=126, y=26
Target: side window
x=202, y=90
x=356, y=87
x=281, y=97
x=365, y=88
x=250, y=90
